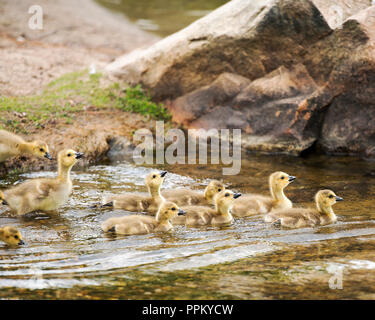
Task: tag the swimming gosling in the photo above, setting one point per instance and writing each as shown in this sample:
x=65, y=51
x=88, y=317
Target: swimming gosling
x=201, y=215
x=12, y=145
x=138, y=202
x=300, y=218
x=45, y=194
x=188, y=197
x=252, y=204
x=141, y=224
x=11, y=236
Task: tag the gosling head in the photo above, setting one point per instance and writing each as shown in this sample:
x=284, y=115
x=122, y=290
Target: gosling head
x=280, y=180
x=224, y=200
x=40, y=149
x=169, y=210
x=11, y=236
x=213, y=188
x=326, y=199
x=155, y=179
x=68, y=157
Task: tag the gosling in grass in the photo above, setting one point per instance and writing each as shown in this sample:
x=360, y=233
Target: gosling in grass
x=12, y=145
x=251, y=204
x=300, y=218
x=140, y=224
x=45, y=194
x=201, y=215
x=187, y=197
x=139, y=202
x=11, y=236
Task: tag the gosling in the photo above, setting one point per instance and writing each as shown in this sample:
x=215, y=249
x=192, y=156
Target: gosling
x=12, y=145
x=138, y=202
x=252, y=204
x=301, y=218
x=140, y=224
x=11, y=236
x=200, y=215
x=45, y=194
x=188, y=197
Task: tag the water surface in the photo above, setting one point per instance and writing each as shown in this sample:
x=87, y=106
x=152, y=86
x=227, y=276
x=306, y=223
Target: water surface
x=162, y=17
x=68, y=256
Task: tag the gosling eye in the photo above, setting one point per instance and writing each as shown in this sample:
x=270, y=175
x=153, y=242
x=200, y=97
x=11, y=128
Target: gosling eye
x=330, y=196
x=15, y=237
x=282, y=178
x=219, y=189
x=69, y=154
x=154, y=176
x=41, y=150
x=174, y=209
x=227, y=194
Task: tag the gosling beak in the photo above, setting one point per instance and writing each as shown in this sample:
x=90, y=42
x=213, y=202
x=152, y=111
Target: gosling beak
x=4, y=202
x=48, y=156
x=291, y=178
x=181, y=212
x=163, y=173
x=21, y=243
x=339, y=198
x=237, y=195
x=79, y=155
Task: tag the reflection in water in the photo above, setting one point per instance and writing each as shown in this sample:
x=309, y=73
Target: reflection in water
x=68, y=256
x=163, y=17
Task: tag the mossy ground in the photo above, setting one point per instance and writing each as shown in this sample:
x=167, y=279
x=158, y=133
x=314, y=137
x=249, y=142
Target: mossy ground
x=70, y=94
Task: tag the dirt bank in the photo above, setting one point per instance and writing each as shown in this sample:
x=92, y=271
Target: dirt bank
x=75, y=35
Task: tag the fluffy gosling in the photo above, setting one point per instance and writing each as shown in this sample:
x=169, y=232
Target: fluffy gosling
x=300, y=218
x=251, y=204
x=12, y=145
x=140, y=224
x=188, y=197
x=137, y=202
x=45, y=194
x=201, y=215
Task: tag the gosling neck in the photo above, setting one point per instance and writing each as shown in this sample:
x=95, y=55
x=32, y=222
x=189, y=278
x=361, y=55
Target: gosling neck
x=155, y=194
x=326, y=210
x=277, y=194
x=162, y=220
x=223, y=210
x=64, y=172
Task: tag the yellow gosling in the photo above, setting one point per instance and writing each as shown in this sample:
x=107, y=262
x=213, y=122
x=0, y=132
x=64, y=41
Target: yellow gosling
x=252, y=204
x=45, y=194
x=11, y=236
x=140, y=224
x=12, y=145
x=300, y=218
x=138, y=202
x=188, y=197
x=201, y=215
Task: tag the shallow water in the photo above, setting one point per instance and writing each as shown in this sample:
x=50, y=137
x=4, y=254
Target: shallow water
x=68, y=256
x=162, y=17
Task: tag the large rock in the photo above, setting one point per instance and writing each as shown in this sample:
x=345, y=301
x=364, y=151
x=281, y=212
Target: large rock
x=291, y=74
x=246, y=37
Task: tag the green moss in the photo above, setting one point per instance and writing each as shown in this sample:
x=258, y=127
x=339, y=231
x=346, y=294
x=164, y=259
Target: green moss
x=70, y=94
x=136, y=100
